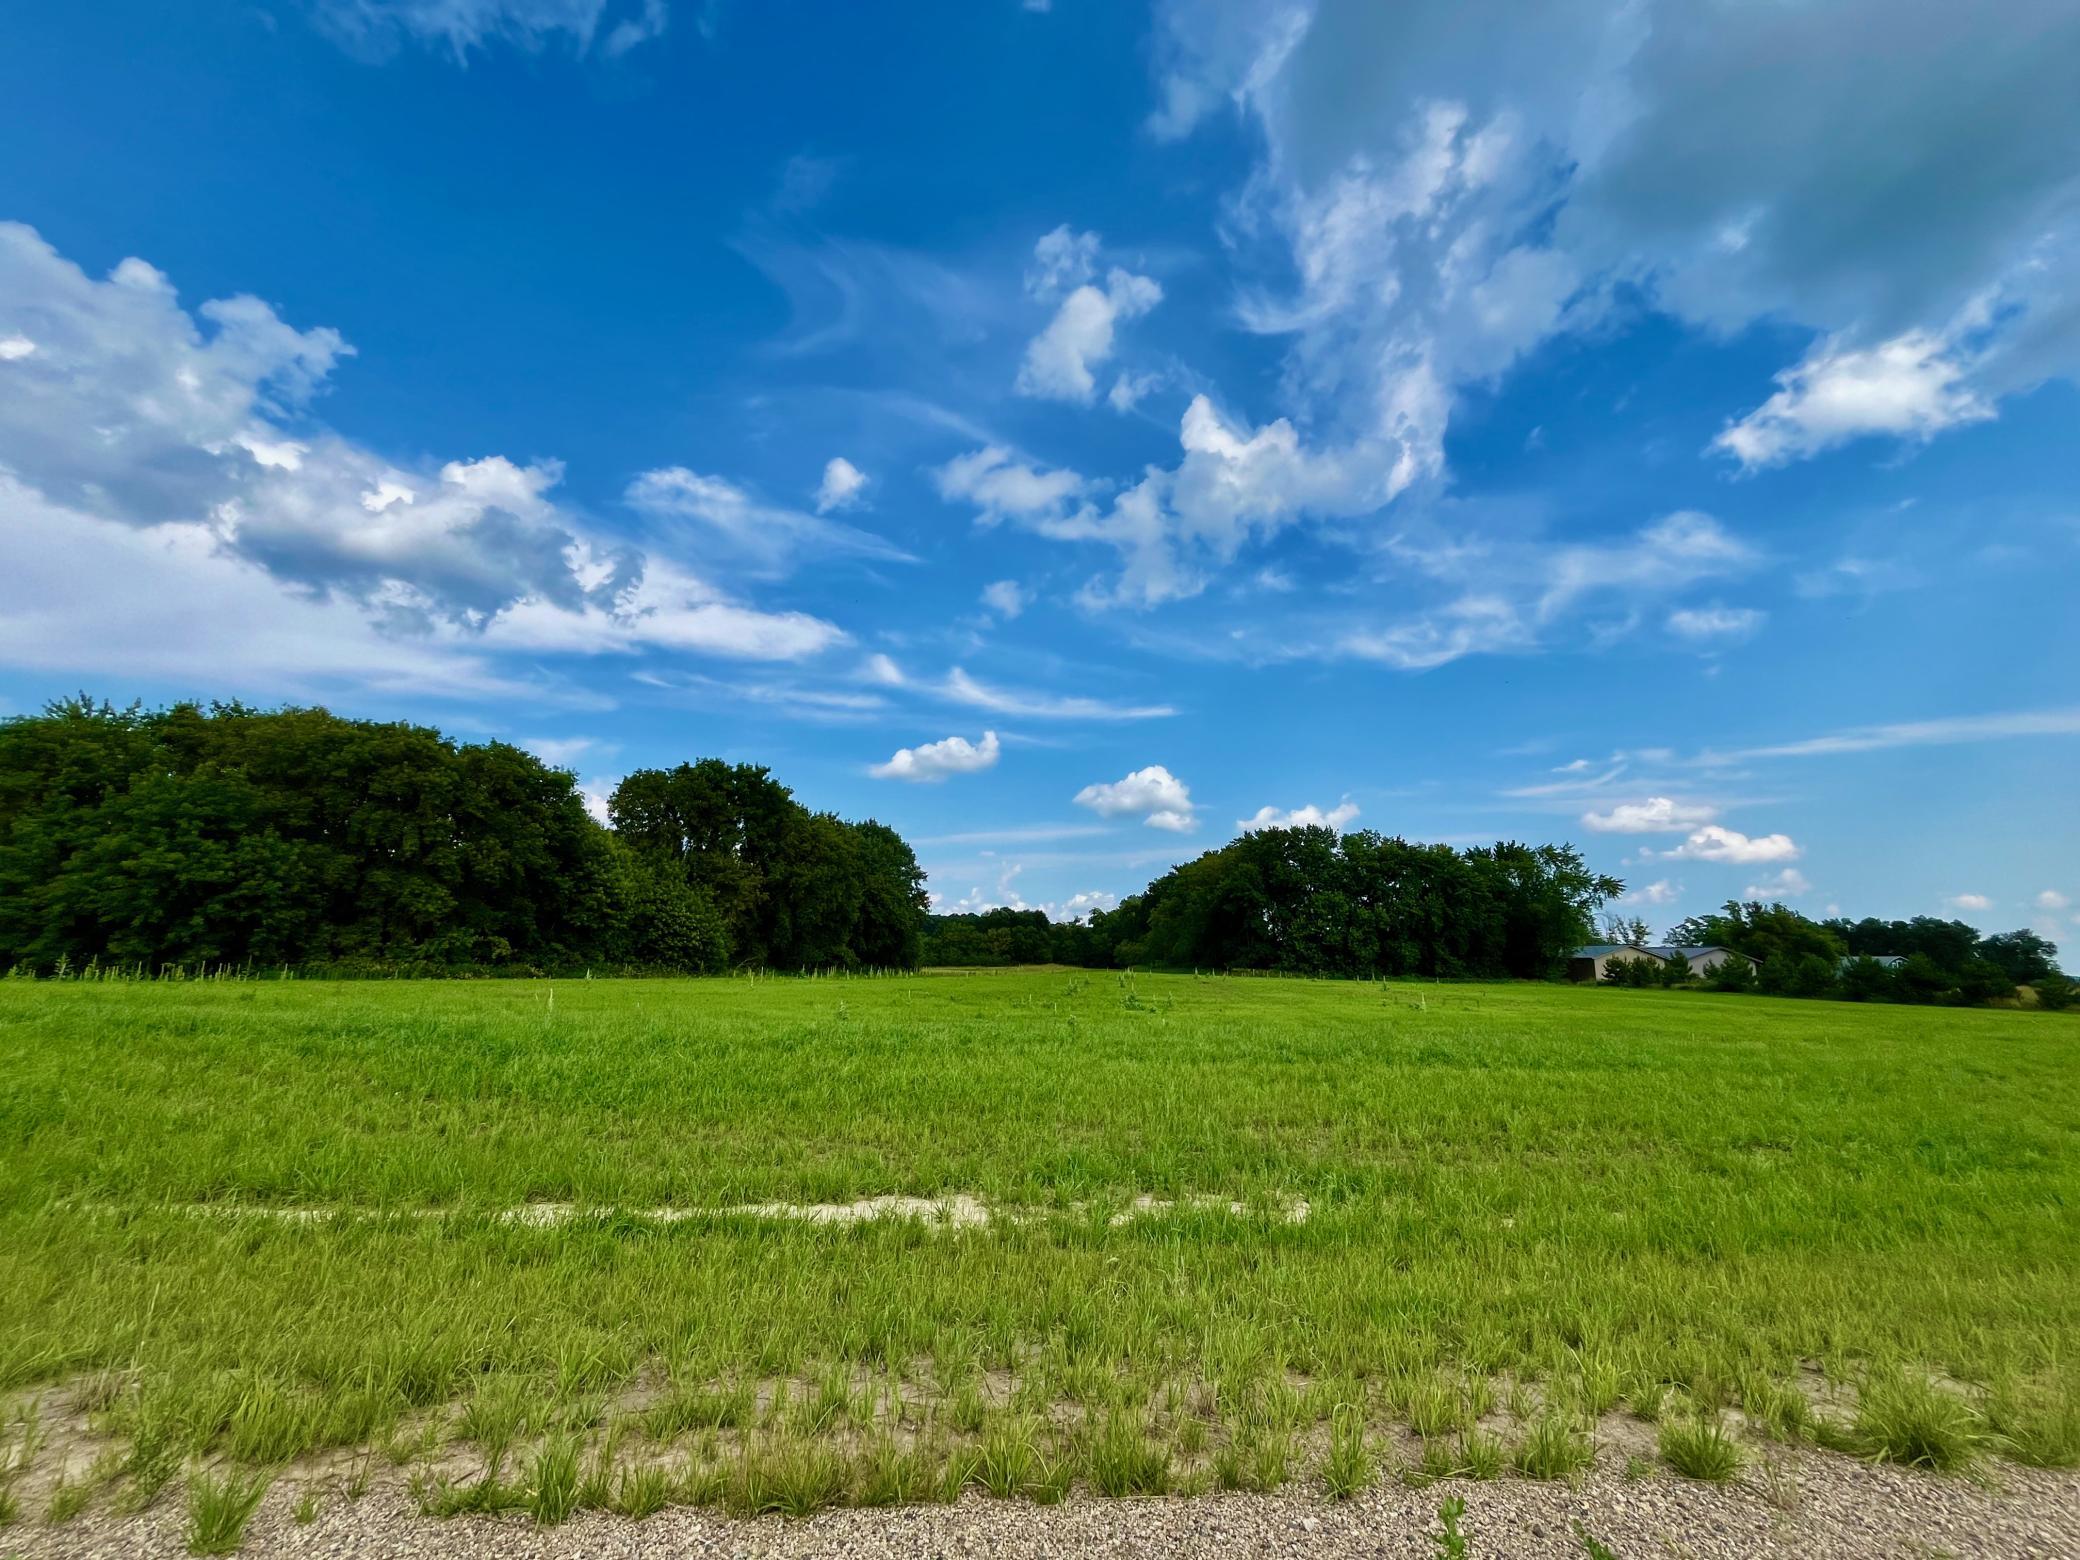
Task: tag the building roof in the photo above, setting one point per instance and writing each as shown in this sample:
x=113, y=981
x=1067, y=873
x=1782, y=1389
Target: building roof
x=1604, y=950
x=1686, y=953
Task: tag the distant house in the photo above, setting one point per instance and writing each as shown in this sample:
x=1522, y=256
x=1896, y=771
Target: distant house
x=1592, y=959
x=1707, y=958
x=1884, y=961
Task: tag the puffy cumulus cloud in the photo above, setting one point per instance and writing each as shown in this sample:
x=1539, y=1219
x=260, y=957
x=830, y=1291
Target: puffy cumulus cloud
x=1714, y=842
x=1006, y=598
x=717, y=513
x=934, y=761
x=90, y=597
x=1157, y=797
x=841, y=486
x=1972, y=902
x=1911, y=387
x=1304, y=817
x=194, y=428
x=1059, y=362
x=378, y=27
x=1787, y=884
x=1003, y=487
x=2052, y=899
x=1712, y=625
x=1655, y=815
x=1452, y=185
x=1233, y=483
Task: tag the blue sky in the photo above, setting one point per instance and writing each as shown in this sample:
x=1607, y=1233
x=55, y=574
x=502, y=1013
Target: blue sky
x=1070, y=432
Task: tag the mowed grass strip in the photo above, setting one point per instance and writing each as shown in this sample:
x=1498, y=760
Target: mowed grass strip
x=1528, y=1206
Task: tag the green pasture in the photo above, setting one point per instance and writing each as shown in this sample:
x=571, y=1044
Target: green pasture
x=516, y=1239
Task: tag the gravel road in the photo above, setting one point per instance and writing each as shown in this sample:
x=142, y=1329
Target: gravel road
x=1820, y=1505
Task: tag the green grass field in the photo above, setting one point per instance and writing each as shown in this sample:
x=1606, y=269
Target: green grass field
x=1241, y=1231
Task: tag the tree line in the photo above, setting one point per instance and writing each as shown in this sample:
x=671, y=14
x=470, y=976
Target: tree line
x=225, y=835
x=1923, y=960
x=1309, y=901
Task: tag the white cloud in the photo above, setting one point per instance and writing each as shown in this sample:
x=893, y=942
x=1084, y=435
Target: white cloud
x=2052, y=899
x=1659, y=893
x=770, y=535
x=1655, y=815
x=960, y=688
x=1157, y=797
x=1078, y=906
x=15, y=347
x=667, y=609
x=597, y=795
x=1944, y=732
x=1059, y=361
x=1703, y=624
x=1911, y=387
x=559, y=752
x=841, y=486
x=1062, y=260
x=379, y=26
x=1306, y=817
x=1003, y=487
x=882, y=669
x=1788, y=884
x=1969, y=902
x=1715, y=843
x=1455, y=185
x=1006, y=598
x=1513, y=595
x=195, y=429
x=88, y=597
x=935, y=761
x=1129, y=390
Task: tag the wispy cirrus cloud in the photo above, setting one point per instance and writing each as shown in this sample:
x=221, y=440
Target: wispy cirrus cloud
x=1941, y=732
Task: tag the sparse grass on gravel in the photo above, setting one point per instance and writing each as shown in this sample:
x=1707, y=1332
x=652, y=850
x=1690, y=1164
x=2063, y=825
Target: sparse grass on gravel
x=251, y=1222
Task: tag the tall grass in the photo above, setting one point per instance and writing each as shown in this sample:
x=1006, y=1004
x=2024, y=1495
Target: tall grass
x=251, y=1220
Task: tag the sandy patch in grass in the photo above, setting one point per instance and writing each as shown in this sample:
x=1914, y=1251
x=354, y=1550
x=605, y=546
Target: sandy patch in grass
x=957, y=1210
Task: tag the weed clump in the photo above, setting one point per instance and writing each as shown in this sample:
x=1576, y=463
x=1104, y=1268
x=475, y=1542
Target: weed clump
x=219, y=1507
x=1700, y=1448
x=1553, y=1449
x=1351, y=1468
x=1905, y=1418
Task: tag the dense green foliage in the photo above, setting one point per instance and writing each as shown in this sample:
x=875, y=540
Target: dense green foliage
x=1608, y=1198
x=230, y=836
x=1311, y=901
x=1939, y=961
x=793, y=889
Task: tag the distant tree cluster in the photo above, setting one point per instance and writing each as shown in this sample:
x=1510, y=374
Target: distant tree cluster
x=1945, y=962
x=232, y=836
x=1310, y=901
